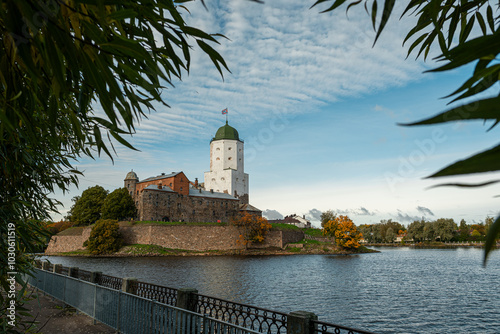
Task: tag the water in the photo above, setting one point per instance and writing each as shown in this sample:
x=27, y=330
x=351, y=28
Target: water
x=400, y=290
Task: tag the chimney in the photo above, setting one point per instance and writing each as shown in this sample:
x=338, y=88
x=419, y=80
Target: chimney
x=304, y=216
x=162, y=173
x=196, y=182
x=200, y=190
x=211, y=191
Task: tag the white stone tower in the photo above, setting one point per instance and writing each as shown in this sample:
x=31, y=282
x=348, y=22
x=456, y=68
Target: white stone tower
x=226, y=164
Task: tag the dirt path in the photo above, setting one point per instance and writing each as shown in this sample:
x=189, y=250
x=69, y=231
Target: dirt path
x=50, y=316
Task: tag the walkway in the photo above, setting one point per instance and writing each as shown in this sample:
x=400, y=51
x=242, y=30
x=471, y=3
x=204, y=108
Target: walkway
x=51, y=317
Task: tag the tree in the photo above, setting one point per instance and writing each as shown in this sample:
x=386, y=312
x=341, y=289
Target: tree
x=118, y=205
x=254, y=228
x=105, y=237
x=445, y=228
x=389, y=235
x=87, y=207
x=416, y=231
x=447, y=25
x=345, y=232
x=58, y=61
x=327, y=216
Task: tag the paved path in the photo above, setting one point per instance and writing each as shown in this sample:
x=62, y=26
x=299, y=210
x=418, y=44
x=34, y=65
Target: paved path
x=51, y=316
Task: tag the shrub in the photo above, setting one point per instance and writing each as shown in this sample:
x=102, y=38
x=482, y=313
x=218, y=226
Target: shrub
x=254, y=228
x=104, y=238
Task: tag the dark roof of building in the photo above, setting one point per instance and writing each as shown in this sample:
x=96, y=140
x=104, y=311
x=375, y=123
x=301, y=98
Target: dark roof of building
x=163, y=188
x=131, y=176
x=248, y=207
x=205, y=193
x=226, y=132
x=162, y=176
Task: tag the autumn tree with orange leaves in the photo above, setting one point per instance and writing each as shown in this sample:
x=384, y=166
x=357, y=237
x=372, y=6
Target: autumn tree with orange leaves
x=345, y=232
x=254, y=228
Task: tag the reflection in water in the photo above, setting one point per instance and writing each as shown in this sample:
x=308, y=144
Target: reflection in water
x=400, y=290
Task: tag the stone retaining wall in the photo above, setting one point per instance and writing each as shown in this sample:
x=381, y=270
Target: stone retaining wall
x=196, y=238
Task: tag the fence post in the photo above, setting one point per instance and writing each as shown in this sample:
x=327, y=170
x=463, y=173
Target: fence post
x=95, y=277
x=73, y=272
x=45, y=265
x=186, y=299
x=128, y=286
x=299, y=322
x=57, y=268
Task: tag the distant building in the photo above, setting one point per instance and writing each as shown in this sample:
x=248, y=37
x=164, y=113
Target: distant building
x=223, y=195
x=298, y=221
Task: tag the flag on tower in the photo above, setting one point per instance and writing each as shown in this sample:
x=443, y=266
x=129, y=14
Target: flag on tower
x=224, y=112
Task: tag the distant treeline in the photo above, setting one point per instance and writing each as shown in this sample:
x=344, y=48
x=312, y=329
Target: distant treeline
x=442, y=229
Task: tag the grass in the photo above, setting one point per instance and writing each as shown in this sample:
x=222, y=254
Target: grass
x=314, y=232
x=278, y=226
x=77, y=230
x=77, y=252
x=150, y=222
x=140, y=249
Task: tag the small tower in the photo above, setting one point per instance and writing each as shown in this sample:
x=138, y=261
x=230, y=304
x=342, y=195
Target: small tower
x=130, y=183
x=227, y=164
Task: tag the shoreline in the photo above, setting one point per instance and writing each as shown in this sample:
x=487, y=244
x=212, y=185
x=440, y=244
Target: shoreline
x=158, y=251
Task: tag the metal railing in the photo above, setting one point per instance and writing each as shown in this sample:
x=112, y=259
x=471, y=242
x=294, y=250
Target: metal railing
x=248, y=316
x=321, y=327
x=128, y=313
x=262, y=320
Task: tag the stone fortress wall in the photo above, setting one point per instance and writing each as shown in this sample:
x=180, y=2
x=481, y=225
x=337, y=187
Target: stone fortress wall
x=195, y=238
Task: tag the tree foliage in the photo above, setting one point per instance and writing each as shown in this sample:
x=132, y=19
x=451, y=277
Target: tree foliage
x=76, y=76
x=87, y=207
x=105, y=237
x=447, y=26
x=345, y=232
x=254, y=228
x=327, y=216
x=377, y=233
x=118, y=205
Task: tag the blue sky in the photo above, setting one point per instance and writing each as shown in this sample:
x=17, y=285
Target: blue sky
x=317, y=107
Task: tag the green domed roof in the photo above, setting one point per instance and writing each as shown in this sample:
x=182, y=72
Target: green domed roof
x=226, y=132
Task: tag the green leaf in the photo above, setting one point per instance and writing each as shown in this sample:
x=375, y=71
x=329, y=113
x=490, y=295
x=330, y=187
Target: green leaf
x=336, y=4
x=386, y=13
x=482, y=109
x=487, y=161
x=492, y=235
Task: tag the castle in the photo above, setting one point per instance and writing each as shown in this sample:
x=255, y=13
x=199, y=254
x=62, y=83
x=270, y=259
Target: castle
x=223, y=195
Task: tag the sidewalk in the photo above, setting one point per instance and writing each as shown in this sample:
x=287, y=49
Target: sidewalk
x=50, y=316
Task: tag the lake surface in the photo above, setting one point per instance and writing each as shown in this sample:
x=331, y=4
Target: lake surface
x=399, y=290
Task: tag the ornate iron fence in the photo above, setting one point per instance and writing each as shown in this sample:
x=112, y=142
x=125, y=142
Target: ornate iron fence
x=110, y=282
x=159, y=293
x=256, y=318
x=84, y=275
x=321, y=327
x=128, y=313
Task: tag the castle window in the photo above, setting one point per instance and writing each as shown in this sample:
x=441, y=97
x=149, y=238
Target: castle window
x=229, y=158
x=213, y=179
x=170, y=184
x=130, y=193
x=181, y=188
x=128, y=185
x=178, y=205
x=222, y=179
x=137, y=192
x=217, y=158
x=229, y=148
x=236, y=179
x=240, y=149
x=193, y=212
x=149, y=196
x=217, y=149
